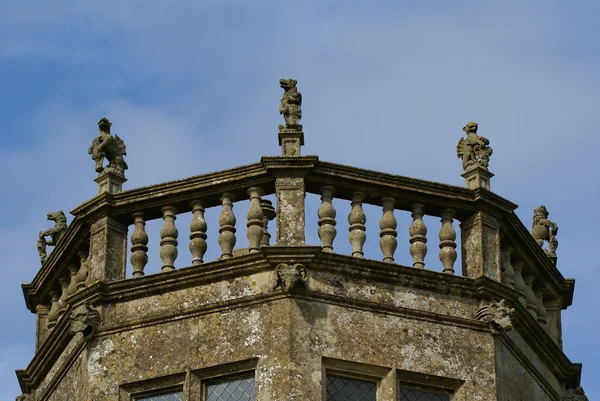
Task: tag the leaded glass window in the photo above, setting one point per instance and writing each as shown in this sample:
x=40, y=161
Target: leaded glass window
x=416, y=395
x=176, y=396
x=343, y=389
x=233, y=390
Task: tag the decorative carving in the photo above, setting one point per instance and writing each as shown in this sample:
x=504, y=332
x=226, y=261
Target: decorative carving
x=198, y=236
x=72, y=288
x=541, y=309
x=474, y=150
x=52, y=318
x=62, y=303
x=25, y=397
x=326, y=214
x=545, y=230
x=508, y=272
x=498, y=315
x=575, y=394
x=520, y=285
x=447, y=237
x=268, y=215
x=530, y=297
x=290, y=106
x=357, y=219
x=55, y=233
x=110, y=147
x=255, y=221
x=84, y=319
x=418, y=236
x=388, y=233
x=290, y=277
x=82, y=274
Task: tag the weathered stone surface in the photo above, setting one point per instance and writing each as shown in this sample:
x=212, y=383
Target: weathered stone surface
x=84, y=319
x=289, y=277
x=498, y=315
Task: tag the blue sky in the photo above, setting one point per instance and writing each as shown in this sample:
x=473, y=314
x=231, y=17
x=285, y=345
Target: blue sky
x=192, y=87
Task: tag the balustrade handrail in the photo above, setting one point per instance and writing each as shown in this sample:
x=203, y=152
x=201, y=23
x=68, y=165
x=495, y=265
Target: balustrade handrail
x=350, y=183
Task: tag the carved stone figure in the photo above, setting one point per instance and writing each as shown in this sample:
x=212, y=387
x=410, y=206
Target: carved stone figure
x=110, y=147
x=498, y=315
x=84, y=319
x=290, y=277
x=545, y=230
x=290, y=106
x=474, y=150
x=54, y=234
x=575, y=394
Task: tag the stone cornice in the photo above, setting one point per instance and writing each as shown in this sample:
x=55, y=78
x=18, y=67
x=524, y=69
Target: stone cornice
x=102, y=293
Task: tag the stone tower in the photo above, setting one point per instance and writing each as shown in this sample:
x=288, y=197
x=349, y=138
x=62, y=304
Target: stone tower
x=283, y=319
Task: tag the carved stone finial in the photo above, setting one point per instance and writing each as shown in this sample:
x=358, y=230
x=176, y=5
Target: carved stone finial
x=290, y=277
x=291, y=105
x=84, y=319
x=575, y=394
x=110, y=147
x=545, y=230
x=54, y=234
x=498, y=315
x=474, y=150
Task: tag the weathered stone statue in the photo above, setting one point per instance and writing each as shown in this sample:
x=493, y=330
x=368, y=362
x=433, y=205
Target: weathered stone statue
x=110, y=147
x=54, y=234
x=474, y=150
x=575, y=394
x=290, y=106
x=545, y=230
x=498, y=315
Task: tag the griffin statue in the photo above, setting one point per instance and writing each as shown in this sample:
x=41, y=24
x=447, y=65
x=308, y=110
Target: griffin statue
x=290, y=105
x=55, y=233
x=545, y=230
x=110, y=147
x=474, y=150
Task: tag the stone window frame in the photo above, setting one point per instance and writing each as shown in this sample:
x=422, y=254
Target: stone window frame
x=154, y=386
x=383, y=377
x=199, y=379
x=429, y=383
x=191, y=382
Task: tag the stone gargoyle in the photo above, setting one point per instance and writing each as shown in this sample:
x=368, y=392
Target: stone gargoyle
x=84, y=319
x=498, y=315
x=52, y=235
x=291, y=105
x=575, y=394
x=474, y=150
x=545, y=230
x=110, y=147
x=289, y=277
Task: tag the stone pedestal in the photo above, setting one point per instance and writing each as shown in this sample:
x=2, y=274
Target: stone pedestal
x=110, y=181
x=290, y=141
x=290, y=210
x=480, y=237
x=477, y=177
x=108, y=251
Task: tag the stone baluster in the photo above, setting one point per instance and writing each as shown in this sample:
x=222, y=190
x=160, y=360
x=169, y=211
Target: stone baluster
x=540, y=310
x=53, y=313
x=388, y=233
x=447, y=237
x=72, y=288
x=508, y=272
x=268, y=215
x=255, y=221
x=530, y=295
x=327, y=214
x=418, y=236
x=139, y=245
x=357, y=219
x=198, y=229
x=519, y=284
x=227, y=222
x=62, y=303
x=82, y=274
x=168, y=239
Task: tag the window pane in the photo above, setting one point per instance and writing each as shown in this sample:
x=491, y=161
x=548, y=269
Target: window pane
x=415, y=395
x=235, y=390
x=342, y=389
x=177, y=396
